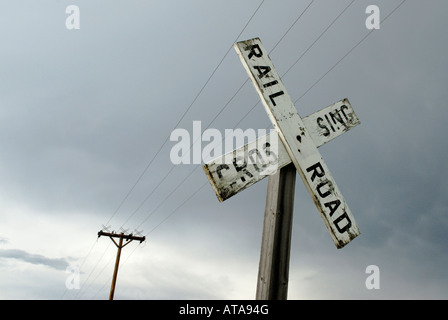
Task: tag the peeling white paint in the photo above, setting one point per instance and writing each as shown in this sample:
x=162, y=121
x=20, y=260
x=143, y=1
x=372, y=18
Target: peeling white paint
x=323, y=126
x=298, y=142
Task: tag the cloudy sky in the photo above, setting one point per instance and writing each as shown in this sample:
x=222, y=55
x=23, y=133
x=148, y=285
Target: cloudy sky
x=86, y=116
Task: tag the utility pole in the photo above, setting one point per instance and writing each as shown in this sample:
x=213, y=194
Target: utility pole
x=120, y=245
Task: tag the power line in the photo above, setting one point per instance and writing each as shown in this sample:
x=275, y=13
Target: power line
x=148, y=196
x=167, y=138
x=178, y=207
x=100, y=273
x=169, y=195
x=82, y=264
x=229, y=101
x=349, y=52
x=194, y=100
x=326, y=73
x=181, y=118
x=216, y=116
x=292, y=25
x=320, y=36
x=227, y=104
x=303, y=54
x=81, y=292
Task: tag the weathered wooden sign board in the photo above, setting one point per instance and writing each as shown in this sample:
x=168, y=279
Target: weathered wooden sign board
x=299, y=140
x=241, y=168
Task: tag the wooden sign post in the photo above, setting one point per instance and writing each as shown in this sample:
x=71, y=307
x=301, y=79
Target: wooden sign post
x=273, y=271
x=300, y=139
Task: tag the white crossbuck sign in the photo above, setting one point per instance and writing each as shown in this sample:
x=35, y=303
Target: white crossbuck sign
x=299, y=138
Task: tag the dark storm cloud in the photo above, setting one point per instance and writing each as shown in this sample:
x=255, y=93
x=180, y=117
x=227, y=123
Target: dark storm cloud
x=84, y=111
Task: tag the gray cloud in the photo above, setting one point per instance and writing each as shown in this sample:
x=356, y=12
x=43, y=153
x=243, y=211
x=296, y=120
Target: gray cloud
x=83, y=112
x=58, y=264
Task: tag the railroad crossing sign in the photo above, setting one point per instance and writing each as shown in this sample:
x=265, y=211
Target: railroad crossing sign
x=237, y=170
x=300, y=139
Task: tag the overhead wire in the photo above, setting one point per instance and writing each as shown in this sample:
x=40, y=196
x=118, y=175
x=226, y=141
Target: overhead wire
x=179, y=121
x=348, y=53
x=326, y=73
x=215, y=117
x=304, y=53
x=85, y=288
x=109, y=262
x=228, y=103
x=167, y=138
x=182, y=117
x=312, y=86
x=80, y=266
x=319, y=37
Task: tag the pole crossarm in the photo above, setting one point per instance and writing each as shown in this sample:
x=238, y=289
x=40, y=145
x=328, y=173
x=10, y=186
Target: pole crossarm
x=128, y=237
